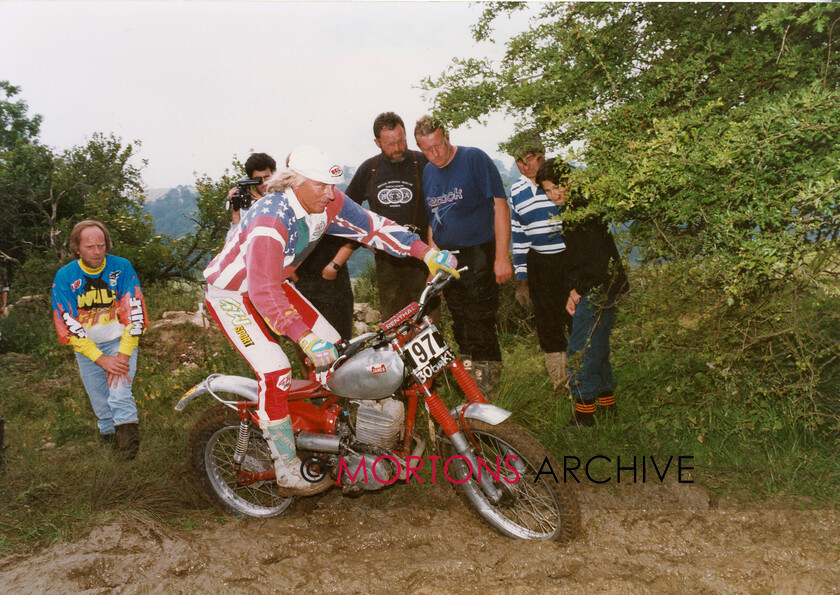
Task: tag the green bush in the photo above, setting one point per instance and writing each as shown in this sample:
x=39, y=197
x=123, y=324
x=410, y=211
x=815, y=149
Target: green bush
x=29, y=328
x=172, y=296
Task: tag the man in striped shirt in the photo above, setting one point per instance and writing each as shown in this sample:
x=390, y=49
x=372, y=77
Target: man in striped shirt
x=248, y=295
x=537, y=239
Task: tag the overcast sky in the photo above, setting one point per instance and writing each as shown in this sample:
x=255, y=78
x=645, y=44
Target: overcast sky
x=200, y=82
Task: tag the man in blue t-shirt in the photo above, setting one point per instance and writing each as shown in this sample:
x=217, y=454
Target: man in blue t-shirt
x=468, y=212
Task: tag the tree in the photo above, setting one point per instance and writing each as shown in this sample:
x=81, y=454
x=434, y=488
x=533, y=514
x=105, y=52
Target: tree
x=45, y=193
x=711, y=126
x=15, y=125
x=211, y=223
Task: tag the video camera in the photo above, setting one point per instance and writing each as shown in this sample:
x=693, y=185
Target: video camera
x=242, y=199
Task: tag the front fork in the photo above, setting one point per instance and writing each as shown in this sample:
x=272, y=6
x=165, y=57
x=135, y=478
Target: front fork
x=450, y=427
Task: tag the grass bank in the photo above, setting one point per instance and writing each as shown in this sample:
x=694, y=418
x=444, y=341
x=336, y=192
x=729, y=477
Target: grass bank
x=750, y=393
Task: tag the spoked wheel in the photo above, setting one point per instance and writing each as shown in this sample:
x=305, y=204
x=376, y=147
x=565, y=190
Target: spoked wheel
x=211, y=449
x=529, y=508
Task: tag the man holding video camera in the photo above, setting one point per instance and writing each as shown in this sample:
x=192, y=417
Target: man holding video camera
x=251, y=188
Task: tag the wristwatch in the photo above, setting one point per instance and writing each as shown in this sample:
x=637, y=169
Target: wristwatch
x=335, y=266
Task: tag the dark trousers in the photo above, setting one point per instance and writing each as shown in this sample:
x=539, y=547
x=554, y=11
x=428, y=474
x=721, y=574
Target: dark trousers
x=333, y=299
x=473, y=301
x=549, y=291
x=400, y=281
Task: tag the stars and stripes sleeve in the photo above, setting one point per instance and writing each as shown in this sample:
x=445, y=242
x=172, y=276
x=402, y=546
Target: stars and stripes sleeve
x=355, y=223
x=264, y=263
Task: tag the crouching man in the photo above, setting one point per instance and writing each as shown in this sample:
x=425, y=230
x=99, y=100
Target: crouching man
x=98, y=309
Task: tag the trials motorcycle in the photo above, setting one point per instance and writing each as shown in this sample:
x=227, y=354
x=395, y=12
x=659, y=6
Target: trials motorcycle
x=359, y=428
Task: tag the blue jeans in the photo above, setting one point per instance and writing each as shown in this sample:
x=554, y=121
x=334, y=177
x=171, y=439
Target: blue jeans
x=590, y=372
x=111, y=405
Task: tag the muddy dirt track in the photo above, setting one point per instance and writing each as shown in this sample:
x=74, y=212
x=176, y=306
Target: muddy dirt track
x=639, y=539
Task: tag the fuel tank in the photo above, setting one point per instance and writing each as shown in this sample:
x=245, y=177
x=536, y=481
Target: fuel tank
x=370, y=374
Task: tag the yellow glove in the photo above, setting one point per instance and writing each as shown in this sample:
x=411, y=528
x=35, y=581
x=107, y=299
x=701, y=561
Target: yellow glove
x=441, y=260
x=321, y=352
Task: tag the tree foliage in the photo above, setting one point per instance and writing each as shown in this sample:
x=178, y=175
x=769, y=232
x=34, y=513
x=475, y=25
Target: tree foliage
x=211, y=223
x=711, y=126
x=15, y=124
x=45, y=192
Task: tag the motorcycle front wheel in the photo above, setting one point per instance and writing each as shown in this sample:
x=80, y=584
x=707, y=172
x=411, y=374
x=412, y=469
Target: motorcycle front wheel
x=211, y=448
x=531, y=507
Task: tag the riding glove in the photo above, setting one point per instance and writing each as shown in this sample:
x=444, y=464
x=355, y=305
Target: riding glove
x=321, y=352
x=441, y=260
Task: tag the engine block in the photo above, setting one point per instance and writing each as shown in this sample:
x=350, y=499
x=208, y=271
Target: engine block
x=380, y=422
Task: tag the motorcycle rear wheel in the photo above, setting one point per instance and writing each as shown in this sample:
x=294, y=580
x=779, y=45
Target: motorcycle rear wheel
x=529, y=509
x=211, y=447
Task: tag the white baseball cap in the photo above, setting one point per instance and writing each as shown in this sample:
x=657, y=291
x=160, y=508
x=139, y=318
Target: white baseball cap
x=311, y=162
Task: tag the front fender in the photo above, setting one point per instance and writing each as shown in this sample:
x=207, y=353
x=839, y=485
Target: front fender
x=490, y=414
x=238, y=385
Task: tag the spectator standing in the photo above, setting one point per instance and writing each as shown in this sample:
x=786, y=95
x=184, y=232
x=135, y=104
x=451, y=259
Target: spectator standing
x=538, y=255
x=98, y=309
x=258, y=166
x=468, y=211
x=597, y=279
x=392, y=183
x=323, y=279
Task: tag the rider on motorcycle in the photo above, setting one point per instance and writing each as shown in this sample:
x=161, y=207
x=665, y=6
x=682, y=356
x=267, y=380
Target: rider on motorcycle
x=250, y=298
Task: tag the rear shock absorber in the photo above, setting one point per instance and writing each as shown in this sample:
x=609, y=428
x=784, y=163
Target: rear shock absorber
x=242, y=443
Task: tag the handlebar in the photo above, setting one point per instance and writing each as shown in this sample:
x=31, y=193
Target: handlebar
x=347, y=349
x=433, y=288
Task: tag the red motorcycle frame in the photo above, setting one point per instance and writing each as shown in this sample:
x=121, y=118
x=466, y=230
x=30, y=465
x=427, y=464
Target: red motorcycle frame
x=236, y=472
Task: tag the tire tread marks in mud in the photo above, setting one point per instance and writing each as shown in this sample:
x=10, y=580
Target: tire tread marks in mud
x=556, y=499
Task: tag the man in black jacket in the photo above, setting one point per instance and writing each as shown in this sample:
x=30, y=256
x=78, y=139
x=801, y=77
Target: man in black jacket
x=596, y=276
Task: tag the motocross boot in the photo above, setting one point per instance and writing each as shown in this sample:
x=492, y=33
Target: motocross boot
x=557, y=365
x=127, y=440
x=281, y=442
x=487, y=375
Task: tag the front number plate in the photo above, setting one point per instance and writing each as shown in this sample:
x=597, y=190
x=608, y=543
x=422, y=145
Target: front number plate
x=427, y=354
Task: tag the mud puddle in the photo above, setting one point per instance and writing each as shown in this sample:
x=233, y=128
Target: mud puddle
x=639, y=539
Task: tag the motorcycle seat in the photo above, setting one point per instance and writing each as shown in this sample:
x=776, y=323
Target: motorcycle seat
x=303, y=387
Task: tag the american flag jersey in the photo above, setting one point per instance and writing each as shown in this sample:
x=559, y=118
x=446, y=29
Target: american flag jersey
x=266, y=248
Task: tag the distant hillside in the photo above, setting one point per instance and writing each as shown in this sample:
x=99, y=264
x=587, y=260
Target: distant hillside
x=171, y=210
